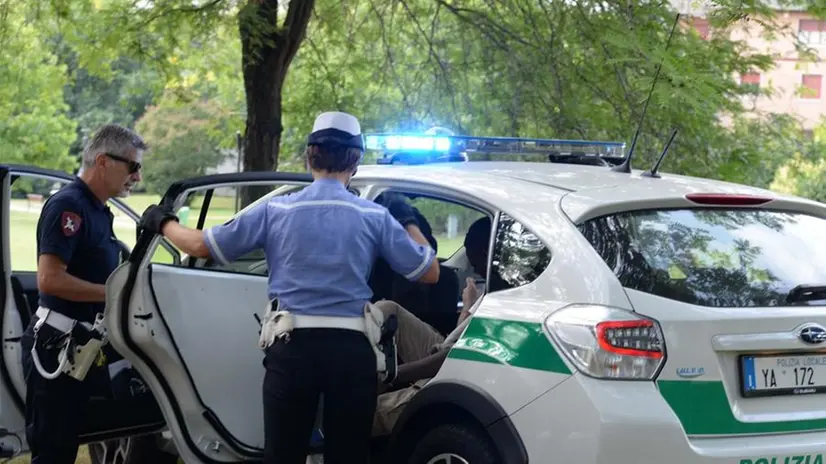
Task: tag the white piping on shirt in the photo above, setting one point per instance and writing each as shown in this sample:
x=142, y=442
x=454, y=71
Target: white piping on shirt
x=299, y=204
x=421, y=266
x=219, y=255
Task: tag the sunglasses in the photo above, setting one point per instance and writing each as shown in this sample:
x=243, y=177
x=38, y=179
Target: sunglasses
x=134, y=166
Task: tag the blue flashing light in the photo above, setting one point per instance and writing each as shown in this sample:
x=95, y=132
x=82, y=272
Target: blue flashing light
x=502, y=145
x=408, y=142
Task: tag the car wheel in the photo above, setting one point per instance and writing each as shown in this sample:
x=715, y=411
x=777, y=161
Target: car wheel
x=454, y=444
x=130, y=450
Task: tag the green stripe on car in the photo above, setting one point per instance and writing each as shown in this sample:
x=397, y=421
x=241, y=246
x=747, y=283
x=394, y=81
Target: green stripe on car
x=703, y=408
x=515, y=343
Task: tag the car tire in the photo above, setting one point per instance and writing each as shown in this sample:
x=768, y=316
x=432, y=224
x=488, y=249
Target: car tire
x=130, y=450
x=454, y=444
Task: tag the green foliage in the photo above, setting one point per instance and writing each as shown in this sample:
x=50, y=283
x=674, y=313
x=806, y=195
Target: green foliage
x=184, y=142
x=803, y=178
x=121, y=98
x=804, y=170
x=35, y=127
x=512, y=67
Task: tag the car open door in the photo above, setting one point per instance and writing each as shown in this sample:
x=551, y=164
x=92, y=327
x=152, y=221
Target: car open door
x=191, y=330
x=23, y=190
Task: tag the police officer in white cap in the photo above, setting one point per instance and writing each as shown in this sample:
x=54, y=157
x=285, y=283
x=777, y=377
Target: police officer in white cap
x=321, y=244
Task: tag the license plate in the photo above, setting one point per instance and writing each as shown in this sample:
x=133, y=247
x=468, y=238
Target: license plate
x=793, y=374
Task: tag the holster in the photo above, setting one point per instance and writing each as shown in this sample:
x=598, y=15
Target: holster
x=382, y=336
x=77, y=344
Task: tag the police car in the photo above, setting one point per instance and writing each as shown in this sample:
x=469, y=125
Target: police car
x=646, y=318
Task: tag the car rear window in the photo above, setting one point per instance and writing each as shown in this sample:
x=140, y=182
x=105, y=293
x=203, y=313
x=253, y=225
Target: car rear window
x=713, y=257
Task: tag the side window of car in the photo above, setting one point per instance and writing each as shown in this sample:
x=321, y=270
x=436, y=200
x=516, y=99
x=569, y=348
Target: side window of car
x=223, y=206
x=28, y=195
x=519, y=256
x=449, y=222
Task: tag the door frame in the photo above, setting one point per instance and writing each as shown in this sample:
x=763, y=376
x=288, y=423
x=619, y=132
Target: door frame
x=140, y=259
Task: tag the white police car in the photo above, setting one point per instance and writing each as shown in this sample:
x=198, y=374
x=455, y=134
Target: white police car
x=646, y=319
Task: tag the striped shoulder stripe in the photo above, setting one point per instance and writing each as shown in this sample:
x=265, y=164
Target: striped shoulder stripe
x=311, y=203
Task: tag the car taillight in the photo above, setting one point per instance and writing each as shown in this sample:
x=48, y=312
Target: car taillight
x=608, y=343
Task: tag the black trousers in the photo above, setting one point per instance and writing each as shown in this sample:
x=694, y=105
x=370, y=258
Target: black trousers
x=341, y=365
x=55, y=409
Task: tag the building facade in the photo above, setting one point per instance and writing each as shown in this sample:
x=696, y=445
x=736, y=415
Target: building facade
x=796, y=82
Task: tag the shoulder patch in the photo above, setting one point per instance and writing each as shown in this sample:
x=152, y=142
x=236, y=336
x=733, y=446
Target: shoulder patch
x=70, y=223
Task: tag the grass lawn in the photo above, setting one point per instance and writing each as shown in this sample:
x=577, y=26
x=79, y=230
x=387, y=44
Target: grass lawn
x=82, y=458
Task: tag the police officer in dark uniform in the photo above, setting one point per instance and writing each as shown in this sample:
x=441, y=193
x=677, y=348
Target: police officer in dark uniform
x=321, y=244
x=76, y=252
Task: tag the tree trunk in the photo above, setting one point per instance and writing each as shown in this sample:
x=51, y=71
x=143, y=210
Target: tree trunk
x=267, y=50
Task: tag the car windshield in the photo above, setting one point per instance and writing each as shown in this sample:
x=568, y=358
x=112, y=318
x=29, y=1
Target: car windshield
x=714, y=257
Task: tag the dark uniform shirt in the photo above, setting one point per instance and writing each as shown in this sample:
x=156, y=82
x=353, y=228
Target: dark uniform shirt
x=77, y=227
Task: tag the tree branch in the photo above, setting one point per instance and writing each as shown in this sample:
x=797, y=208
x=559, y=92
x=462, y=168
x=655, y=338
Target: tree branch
x=293, y=31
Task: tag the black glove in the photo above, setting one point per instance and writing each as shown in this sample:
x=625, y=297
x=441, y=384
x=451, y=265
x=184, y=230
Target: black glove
x=155, y=217
x=399, y=209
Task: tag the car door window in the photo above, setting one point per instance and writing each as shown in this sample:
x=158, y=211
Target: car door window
x=224, y=205
x=449, y=222
x=28, y=195
x=519, y=256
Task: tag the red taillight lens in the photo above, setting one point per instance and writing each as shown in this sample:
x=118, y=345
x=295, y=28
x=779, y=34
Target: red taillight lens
x=608, y=343
x=725, y=199
x=632, y=338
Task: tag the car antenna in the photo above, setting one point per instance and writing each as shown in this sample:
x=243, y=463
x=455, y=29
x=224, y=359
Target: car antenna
x=626, y=165
x=653, y=171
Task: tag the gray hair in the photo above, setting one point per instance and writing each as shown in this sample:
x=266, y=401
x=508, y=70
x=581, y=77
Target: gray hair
x=113, y=139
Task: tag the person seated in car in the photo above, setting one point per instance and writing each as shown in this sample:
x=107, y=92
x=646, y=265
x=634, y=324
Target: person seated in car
x=422, y=349
x=433, y=303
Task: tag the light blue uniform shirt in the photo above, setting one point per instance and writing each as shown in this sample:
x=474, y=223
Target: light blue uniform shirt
x=320, y=245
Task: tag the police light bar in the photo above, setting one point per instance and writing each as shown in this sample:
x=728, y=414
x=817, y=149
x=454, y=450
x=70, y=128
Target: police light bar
x=395, y=142
x=457, y=147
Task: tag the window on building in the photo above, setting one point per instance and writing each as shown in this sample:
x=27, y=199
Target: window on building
x=812, y=32
x=811, y=86
x=750, y=81
x=701, y=26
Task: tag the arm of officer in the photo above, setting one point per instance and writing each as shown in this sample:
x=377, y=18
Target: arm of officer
x=407, y=251
x=60, y=229
x=224, y=243
x=245, y=233
x=190, y=241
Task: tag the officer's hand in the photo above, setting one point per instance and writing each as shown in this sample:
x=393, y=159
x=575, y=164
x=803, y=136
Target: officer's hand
x=399, y=209
x=155, y=217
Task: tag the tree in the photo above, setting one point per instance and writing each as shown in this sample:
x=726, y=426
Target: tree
x=35, y=128
x=184, y=142
x=157, y=32
x=516, y=68
x=804, y=170
x=267, y=51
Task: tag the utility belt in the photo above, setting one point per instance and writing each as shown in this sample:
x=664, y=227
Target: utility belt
x=78, y=343
x=278, y=323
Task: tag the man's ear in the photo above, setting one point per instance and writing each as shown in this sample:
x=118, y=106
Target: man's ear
x=100, y=160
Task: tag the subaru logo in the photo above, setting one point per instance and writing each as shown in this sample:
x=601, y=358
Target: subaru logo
x=812, y=334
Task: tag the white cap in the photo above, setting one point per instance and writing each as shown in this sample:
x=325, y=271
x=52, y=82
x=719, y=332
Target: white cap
x=337, y=120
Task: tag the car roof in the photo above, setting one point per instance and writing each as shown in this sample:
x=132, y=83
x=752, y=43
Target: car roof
x=583, y=191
